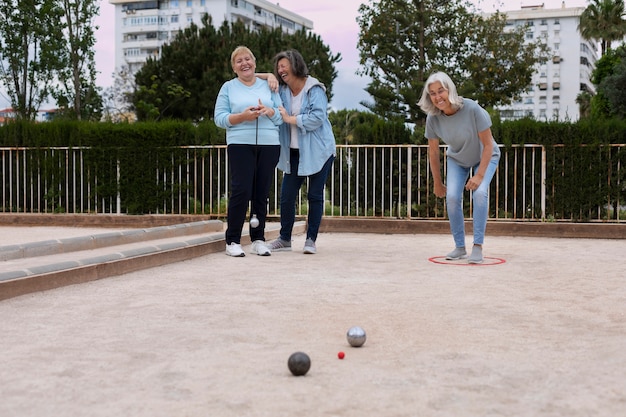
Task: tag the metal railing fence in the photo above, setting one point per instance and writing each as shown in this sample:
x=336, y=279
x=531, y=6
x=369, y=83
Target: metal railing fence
x=533, y=182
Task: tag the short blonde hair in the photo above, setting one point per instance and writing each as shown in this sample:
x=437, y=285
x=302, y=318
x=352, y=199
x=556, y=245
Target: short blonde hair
x=239, y=51
x=426, y=103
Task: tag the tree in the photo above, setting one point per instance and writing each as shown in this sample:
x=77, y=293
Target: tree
x=403, y=42
x=583, y=100
x=603, y=20
x=77, y=92
x=612, y=84
x=184, y=81
x=365, y=128
x=30, y=41
x=117, y=99
x=605, y=68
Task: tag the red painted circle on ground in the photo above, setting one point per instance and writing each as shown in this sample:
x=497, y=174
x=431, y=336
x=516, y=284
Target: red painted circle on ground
x=488, y=261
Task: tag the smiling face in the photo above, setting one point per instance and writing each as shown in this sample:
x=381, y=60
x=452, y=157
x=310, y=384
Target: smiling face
x=244, y=65
x=283, y=68
x=439, y=96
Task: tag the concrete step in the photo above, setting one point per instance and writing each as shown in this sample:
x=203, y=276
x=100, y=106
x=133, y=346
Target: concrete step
x=101, y=240
x=48, y=264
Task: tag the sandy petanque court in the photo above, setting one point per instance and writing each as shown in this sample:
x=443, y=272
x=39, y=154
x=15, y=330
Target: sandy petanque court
x=541, y=334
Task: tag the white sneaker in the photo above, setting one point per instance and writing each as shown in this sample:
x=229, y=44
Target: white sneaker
x=235, y=249
x=260, y=248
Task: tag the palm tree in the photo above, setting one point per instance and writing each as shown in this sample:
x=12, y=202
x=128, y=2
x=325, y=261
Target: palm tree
x=603, y=20
x=584, y=104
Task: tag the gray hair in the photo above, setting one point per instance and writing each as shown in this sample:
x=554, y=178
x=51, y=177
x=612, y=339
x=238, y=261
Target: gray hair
x=298, y=65
x=426, y=103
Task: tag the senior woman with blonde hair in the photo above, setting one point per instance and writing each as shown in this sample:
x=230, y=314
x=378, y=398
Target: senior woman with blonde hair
x=465, y=127
x=248, y=110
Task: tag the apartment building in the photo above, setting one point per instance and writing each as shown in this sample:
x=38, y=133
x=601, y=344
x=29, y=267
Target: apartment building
x=557, y=82
x=142, y=27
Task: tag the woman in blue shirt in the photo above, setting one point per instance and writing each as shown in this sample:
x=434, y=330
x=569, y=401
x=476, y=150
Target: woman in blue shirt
x=248, y=110
x=307, y=146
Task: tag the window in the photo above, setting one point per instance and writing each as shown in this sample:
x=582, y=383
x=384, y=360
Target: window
x=132, y=52
x=189, y=3
x=174, y=18
x=556, y=46
x=174, y=4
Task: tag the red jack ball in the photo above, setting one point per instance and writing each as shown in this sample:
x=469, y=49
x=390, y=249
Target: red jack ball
x=341, y=355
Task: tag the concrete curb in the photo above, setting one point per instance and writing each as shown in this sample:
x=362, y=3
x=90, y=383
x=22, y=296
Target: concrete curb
x=55, y=275
x=101, y=240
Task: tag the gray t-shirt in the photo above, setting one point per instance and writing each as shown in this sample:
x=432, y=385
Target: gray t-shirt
x=460, y=132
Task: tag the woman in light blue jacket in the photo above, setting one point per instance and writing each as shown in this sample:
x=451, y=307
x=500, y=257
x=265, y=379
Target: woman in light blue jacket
x=307, y=146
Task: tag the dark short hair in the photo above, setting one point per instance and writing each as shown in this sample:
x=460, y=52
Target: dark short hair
x=298, y=66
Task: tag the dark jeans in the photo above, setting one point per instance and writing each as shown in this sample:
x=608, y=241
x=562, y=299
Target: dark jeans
x=244, y=162
x=315, y=196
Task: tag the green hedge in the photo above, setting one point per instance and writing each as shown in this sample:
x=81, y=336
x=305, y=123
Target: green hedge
x=368, y=131
x=144, y=150
x=135, y=135
x=578, y=174
x=529, y=131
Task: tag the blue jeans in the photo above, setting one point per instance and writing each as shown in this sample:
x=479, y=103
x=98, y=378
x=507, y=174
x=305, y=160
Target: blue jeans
x=456, y=178
x=315, y=196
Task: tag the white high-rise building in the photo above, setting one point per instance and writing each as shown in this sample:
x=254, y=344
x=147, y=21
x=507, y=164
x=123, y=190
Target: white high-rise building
x=143, y=26
x=552, y=95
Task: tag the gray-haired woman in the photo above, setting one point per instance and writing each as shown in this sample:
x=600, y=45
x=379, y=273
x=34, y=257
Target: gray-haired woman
x=465, y=127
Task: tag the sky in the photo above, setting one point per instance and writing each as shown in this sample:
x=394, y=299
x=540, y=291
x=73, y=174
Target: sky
x=333, y=20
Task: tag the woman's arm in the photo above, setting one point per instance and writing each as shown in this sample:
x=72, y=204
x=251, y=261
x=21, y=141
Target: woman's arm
x=271, y=79
x=249, y=114
x=435, y=167
x=314, y=115
x=487, y=141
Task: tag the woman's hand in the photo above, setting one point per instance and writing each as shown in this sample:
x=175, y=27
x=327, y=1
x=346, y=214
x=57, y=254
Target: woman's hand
x=250, y=113
x=264, y=110
x=287, y=118
x=440, y=189
x=272, y=82
x=474, y=182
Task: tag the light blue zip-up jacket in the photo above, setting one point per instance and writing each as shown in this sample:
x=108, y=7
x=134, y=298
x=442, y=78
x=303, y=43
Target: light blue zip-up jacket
x=315, y=134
